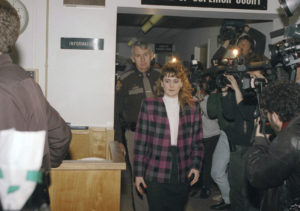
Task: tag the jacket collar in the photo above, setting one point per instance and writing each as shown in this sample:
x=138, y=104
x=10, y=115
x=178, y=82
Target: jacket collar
x=295, y=120
x=148, y=73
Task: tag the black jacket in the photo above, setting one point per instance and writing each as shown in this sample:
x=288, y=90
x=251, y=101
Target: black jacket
x=129, y=95
x=242, y=116
x=269, y=165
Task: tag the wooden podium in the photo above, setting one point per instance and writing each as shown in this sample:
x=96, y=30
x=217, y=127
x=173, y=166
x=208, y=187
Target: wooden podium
x=88, y=184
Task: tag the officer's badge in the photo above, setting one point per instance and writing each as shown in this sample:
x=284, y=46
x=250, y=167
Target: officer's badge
x=118, y=85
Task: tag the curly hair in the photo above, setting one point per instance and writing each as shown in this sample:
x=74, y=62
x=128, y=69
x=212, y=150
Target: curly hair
x=9, y=27
x=177, y=70
x=282, y=97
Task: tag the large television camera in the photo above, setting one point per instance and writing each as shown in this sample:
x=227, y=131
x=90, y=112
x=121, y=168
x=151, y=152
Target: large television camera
x=285, y=57
x=231, y=30
x=239, y=69
x=285, y=54
x=200, y=77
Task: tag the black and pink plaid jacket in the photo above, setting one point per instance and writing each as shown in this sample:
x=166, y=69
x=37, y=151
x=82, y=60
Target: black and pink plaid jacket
x=152, y=155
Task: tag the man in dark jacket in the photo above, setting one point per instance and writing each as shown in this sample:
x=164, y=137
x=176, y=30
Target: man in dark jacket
x=275, y=166
x=23, y=105
x=239, y=106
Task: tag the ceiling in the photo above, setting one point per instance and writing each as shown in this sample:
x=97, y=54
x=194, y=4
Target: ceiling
x=165, y=30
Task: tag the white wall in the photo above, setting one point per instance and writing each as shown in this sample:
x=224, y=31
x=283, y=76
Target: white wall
x=81, y=83
x=30, y=50
x=186, y=41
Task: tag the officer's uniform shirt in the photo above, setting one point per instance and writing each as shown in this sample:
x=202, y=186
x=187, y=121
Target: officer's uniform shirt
x=130, y=92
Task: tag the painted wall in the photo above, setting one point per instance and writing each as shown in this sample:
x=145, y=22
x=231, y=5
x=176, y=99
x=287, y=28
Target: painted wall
x=81, y=82
x=30, y=49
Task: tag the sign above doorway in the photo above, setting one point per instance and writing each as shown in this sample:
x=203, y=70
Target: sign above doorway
x=85, y=2
x=230, y=4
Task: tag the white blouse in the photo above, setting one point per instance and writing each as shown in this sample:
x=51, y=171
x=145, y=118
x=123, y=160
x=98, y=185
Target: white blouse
x=172, y=107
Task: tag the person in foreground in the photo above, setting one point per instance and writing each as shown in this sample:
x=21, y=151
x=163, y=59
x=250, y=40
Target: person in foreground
x=23, y=105
x=168, y=150
x=275, y=166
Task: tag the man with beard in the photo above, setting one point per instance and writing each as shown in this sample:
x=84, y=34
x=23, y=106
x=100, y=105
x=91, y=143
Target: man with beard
x=275, y=166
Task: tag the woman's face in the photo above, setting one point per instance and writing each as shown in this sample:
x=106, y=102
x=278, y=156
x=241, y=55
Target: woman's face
x=171, y=85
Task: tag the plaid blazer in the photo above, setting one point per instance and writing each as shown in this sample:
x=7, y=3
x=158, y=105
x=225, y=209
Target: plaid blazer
x=152, y=155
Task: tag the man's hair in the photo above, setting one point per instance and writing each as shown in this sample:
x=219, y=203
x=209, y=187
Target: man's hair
x=142, y=45
x=249, y=39
x=282, y=97
x=9, y=27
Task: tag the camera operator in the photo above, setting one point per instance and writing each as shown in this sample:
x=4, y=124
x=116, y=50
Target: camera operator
x=221, y=153
x=239, y=106
x=275, y=166
x=251, y=46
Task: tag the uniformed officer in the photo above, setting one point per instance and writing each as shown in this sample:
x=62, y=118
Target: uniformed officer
x=132, y=87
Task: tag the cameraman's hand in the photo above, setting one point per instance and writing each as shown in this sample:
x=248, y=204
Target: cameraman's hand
x=234, y=85
x=198, y=94
x=226, y=44
x=258, y=126
x=257, y=123
x=246, y=28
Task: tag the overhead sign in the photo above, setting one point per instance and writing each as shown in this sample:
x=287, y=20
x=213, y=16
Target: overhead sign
x=163, y=48
x=82, y=43
x=85, y=2
x=233, y=4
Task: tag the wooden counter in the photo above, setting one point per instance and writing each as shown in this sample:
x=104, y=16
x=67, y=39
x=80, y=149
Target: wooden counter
x=88, y=185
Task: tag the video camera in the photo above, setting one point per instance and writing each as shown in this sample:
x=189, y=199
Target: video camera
x=199, y=76
x=285, y=54
x=239, y=69
x=231, y=30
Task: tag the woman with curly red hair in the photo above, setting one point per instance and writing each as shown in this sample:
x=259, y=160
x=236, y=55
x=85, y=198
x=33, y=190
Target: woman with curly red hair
x=168, y=149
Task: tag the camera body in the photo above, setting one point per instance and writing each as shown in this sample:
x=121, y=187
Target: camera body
x=239, y=70
x=231, y=30
x=285, y=54
x=285, y=51
x=201, y=77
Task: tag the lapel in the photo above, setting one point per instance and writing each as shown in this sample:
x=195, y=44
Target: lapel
x=181, y=128
x=162, y=112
